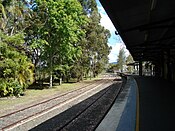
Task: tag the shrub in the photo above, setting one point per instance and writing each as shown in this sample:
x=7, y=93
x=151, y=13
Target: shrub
x=10, y=87
x=3, y=88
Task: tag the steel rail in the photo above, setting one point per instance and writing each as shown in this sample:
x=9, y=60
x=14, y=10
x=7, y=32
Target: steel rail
x=47, y=109
x=70, y=121
x=45, y=101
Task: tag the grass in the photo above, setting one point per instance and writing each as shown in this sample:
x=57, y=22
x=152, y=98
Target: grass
x=33, y=95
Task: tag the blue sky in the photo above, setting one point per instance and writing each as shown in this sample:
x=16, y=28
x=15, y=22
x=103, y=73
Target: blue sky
x=115, y=41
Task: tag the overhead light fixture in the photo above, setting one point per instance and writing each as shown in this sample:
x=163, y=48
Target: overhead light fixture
x=116, y=33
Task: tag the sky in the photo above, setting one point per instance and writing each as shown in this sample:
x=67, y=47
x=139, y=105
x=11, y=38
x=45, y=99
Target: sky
x=114, y=41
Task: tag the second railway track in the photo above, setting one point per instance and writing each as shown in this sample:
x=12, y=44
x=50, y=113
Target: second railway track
x=86, y=115
x=12, y=120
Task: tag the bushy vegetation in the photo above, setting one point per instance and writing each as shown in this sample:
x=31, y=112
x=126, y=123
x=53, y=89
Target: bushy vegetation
x=55, y=40
x=16, y=68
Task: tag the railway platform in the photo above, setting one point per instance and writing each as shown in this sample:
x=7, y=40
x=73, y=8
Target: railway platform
x=122, y=115
x=156, y=104
x=144, y=104
x=148, y=106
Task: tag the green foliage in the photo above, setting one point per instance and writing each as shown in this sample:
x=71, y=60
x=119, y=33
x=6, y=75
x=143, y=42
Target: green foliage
x=121, y=59
x=13, y=16
x=62, y=38
x=16, y=68
x=94, y=44
x=10, y=87
x=3, y=88
x=129, y=60
x=62, y=31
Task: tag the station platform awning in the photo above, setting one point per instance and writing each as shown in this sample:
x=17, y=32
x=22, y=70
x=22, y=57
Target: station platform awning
x=147, y=27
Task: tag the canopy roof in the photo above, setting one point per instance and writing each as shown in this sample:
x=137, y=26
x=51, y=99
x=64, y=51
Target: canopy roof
x=147, y=27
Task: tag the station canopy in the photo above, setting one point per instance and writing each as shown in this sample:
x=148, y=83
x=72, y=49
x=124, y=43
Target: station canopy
x=147, y=27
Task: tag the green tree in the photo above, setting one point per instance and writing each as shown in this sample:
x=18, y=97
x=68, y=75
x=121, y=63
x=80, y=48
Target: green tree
x=62, y=31
x=95, y=48
x=129, y=60
x=16, y=69
x=34, y=42
x=121, y=59
x=13, y=16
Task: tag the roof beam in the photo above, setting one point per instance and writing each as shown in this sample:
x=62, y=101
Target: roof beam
x=152, y=41
x=151, y=25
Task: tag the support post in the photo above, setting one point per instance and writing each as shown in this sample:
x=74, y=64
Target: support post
x=140, y=68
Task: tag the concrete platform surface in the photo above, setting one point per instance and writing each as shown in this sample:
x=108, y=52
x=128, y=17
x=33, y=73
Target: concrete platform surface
x=157, y=104
x=122, y=114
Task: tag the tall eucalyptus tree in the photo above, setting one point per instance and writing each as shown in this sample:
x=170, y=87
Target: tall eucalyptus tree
x=62, y=31
x=95, y=48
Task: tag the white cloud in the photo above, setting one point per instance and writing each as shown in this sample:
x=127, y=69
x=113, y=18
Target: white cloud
x=115, y=41
x=126, y=52
x=115, y=51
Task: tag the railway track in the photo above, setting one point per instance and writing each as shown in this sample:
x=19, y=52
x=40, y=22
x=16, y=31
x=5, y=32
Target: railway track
x=86, y=115
x=14, y=119
x=83, y=116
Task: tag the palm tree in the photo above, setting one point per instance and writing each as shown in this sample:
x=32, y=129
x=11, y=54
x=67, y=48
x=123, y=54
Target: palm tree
x=25, y=74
